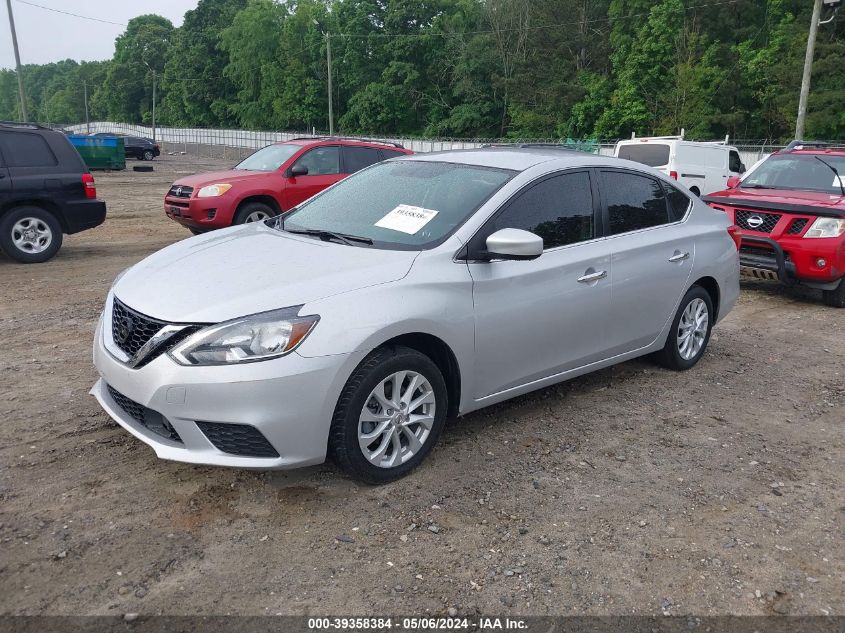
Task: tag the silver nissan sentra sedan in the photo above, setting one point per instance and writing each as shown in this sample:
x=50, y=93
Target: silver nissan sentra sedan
x=416, y=290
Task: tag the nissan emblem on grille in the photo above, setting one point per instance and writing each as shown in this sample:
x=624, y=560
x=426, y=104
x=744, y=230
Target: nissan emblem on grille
x=755, y=221
x=123, y=329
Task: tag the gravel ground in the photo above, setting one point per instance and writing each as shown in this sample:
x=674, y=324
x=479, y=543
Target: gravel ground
x=630, y=491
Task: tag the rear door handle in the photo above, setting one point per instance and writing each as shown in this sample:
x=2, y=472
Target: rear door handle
x=590, y=277
x=679, y=257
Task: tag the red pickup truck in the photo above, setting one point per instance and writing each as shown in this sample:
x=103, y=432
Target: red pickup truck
x=791, y=211
x=274, y=179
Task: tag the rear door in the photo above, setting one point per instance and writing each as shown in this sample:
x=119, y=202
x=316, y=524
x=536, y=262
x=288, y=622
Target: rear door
x=5, y=180
x=652, y=252
x=324, y=170
x=538, y=318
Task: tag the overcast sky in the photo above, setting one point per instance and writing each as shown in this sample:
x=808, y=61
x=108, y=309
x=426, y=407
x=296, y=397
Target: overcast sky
x=45, y=36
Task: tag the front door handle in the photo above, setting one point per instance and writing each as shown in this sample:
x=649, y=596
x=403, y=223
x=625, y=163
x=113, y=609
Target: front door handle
x=590, y=277
x=679, y=257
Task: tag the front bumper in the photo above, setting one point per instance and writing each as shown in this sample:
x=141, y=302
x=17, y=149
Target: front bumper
x=203, y=214
x=790, y=261
x=290, y=400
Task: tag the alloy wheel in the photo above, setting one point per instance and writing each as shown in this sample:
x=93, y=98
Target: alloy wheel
x=257, y=216
x=31, y=235
x=692, y=329
x=396, y=419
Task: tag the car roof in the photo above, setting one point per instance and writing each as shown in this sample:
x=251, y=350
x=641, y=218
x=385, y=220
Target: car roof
x=340, y=140
x=522, y=158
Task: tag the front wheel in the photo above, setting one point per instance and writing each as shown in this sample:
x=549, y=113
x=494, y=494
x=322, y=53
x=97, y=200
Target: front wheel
x=389, y=415
x=835, y=298
x=30, y=235
x=253, y=212
x=690, y=331
x=148, y=154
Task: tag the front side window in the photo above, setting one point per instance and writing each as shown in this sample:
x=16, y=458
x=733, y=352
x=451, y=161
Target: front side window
x=321, y=161
x=22, y=149
x=633, y=202
x=558, y=209
x=403, y=205
x=801, y=172
x=735, y=162
x=268, y=158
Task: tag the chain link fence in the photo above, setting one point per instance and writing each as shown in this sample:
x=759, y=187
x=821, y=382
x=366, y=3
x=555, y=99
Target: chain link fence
x=234, y=145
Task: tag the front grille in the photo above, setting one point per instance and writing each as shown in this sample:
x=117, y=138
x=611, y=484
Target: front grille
x=131, y=330
x=769, y=220
x=757, y=251
x=237, y=439
x=146, y=417
x=181, y=191
x=797, y=226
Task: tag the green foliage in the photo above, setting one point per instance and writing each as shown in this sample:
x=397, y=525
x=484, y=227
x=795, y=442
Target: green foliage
x=462, y=68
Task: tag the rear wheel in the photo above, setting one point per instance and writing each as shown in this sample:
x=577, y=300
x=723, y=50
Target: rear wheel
x=835, y=298
x=30, y=235
x=148, y=154
x=389, y=415
x=690, y=331
x=253, y=212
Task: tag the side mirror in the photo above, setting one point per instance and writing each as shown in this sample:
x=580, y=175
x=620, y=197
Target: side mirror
x=733, y=182
x=298, y=170
x=514, y=244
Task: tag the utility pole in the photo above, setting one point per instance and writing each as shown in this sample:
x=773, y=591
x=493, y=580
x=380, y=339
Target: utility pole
x=87, y=121
x=21, y=93
x=808, y=69
x=154, y=106
x=329, y=65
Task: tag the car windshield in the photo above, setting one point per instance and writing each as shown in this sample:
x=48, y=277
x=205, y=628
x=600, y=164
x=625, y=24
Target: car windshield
x=651, y=154
x=403, y=205
x=268, y=158
x=798, y=171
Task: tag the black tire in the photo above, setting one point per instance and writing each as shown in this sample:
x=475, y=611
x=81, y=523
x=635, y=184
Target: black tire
x=343, y=443
x=670, y=356
x=835, y=298
x=148, y=154
x=39, y=217
x=196, y=231
x=251, y=208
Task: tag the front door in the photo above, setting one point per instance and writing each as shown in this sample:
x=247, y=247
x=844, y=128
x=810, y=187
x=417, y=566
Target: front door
x=323, y=164
x=534, y=319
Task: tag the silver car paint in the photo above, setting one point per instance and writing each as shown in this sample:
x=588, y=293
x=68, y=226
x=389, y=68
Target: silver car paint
x=512, y=326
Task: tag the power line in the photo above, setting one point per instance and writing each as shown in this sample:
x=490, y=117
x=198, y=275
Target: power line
x=75, y=15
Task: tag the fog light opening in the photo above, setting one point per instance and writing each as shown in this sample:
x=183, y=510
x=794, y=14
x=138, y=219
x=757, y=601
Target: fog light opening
x=210, y=214
x=821, y=262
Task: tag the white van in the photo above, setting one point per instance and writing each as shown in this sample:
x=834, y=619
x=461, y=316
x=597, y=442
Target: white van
x=703, y=167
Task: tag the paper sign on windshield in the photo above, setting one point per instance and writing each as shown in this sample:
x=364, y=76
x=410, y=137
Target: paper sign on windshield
x=839, y=180
x=407, y=219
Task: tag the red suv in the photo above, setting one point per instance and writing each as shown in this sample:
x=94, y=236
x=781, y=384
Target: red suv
x=791, y=210
x=274, y=179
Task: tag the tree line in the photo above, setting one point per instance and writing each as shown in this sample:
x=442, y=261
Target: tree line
x=460, y=68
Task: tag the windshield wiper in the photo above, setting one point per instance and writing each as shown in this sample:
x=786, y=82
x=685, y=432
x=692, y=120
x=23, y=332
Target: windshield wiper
x=741, y=186
x=324, y=235
x=835, y=171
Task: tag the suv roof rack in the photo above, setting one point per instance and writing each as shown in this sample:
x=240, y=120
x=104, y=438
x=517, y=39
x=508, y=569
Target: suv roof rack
x=347, y=138
x=18, y=124
x=796, y=144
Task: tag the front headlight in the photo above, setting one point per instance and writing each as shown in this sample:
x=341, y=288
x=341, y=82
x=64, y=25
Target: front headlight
x=826, y=227
x=212, y=191
x=245, y=340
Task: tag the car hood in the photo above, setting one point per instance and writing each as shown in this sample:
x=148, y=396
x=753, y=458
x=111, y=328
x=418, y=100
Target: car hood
x=781, y=196
x=212, y=177
x=247, y=269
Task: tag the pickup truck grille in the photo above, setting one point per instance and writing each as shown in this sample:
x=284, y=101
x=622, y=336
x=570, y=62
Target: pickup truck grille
x=180, y=191
x=756, y=221
x=797, y=226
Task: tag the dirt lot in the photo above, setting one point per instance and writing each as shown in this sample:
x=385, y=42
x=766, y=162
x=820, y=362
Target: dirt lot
x=631, y=491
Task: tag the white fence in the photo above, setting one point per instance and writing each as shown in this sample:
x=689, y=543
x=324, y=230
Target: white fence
x=231, y=143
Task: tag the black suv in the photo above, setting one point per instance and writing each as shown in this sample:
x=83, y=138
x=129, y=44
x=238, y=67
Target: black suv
x=136, y=146
x=45, y=191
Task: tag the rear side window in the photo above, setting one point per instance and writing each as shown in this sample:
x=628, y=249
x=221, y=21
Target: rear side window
x=356, y=158
x=22, y=149
x=633, y=202
x=678, y=203
x=558, y=209
x=652, y=154
x=391, y=153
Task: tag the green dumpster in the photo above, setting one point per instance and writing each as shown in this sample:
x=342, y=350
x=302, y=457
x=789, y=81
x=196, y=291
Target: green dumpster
x=100, y=152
